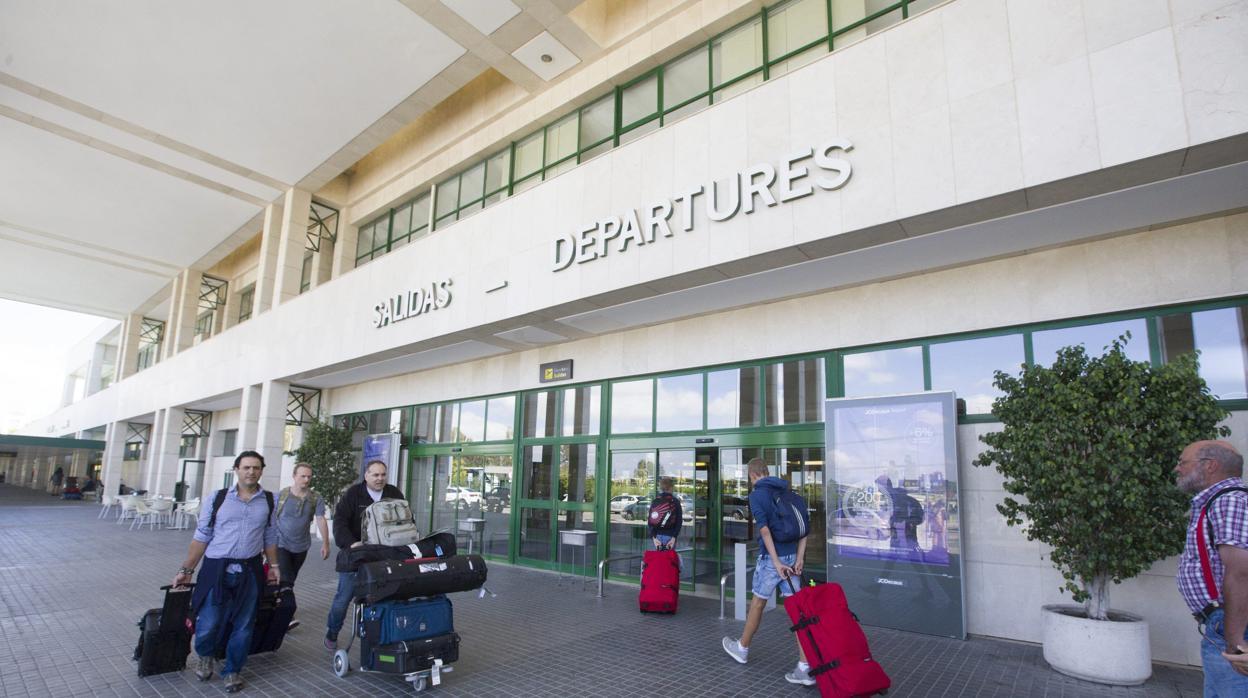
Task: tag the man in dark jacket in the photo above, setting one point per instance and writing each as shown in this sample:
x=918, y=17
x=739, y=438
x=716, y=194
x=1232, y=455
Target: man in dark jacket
x=348, y=520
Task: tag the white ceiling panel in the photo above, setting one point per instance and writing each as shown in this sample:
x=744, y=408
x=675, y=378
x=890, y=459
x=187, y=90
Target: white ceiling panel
x=275, y=86
x=48, y=276
x=75, y=191
x=485, y=15
x=544, y=55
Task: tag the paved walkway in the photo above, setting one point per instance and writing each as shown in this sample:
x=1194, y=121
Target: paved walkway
x=72, y=588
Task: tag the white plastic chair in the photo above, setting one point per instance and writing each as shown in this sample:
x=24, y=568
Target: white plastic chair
x=187, y=510
x=162, y=507
x=144, y=514
x=107, y=502
x=128, y=503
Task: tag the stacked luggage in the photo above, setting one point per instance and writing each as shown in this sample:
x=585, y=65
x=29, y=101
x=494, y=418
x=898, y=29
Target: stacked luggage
x=72, y=490
x=403, y=618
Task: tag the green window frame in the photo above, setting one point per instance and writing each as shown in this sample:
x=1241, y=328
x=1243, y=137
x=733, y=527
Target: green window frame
x=305, y=271
x=246, y=302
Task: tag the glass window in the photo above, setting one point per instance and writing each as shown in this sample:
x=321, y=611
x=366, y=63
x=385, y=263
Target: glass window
x=1219, y=336
x=685, y=78
x=539, y=414
x=581, y=409
x=501, y=416
x=639, y=100
x=577, y=465
x=885, y=372
x=632, y=406
x=1094, y=338
x=738, y=52
x=966, y=367
x=420, y=213
x=561, y=139
x=598, y=121
x=229, y=442
x=539, y=468
x=679, y=404
x=795, y=392
x=529, y=155
x=497, y=169
x=471, y=421
x=795, y=24
x=448, y=197
x=536, y=538
x=403, y=220
x=731, y=398
x=246, y=302
x=472, y=185
x=364, y=243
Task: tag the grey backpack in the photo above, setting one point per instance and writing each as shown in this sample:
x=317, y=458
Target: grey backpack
x=389, y=522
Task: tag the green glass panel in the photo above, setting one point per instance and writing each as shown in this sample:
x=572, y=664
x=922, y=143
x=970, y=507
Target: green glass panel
x=885, y=372
x=966, y=367
x=598, y=121
x=639, y=100
x=632, y=406
x=679, y=403
x=501, y=417
x=685, y=78
x=737, y=52
x=792, y=25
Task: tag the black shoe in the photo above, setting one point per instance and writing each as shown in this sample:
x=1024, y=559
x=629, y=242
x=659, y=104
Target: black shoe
x=293, y=624
x=233, y=682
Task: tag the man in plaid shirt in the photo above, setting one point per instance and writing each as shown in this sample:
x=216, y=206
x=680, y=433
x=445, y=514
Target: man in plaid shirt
x=1206, y=468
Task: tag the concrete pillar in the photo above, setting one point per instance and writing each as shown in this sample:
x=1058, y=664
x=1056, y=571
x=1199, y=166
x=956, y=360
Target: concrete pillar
x=248, y=419
x=175, y=297
x=266, y=274
x=344, y=249
x=293, y=242
x=114, y=450
x=128, y=350
x=149, y=459
x=166, y=443
x=229, y=312
x=67, y=389
x=271, y=431
x=322, y=264
x=185, y=310
x=99, y=356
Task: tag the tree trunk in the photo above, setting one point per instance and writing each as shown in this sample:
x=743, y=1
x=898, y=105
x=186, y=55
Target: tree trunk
x=1097, y=605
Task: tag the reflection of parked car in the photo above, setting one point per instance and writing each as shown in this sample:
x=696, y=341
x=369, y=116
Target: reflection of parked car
x=455, y=493
x=498, y=498
x=620, y=501
x=736, y=507
x=686, y=507
x=639, y=509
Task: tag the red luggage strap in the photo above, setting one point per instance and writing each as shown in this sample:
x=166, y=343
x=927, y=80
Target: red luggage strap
x=1206, y=567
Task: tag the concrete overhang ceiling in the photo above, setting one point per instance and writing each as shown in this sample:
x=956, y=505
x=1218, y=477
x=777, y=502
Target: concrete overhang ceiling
x=139, y=136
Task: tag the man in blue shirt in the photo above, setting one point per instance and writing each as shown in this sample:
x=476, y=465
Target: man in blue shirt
x=230, y=541
x=777, y=561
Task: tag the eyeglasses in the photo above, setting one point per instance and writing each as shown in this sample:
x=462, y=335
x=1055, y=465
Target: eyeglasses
x=1192, y=460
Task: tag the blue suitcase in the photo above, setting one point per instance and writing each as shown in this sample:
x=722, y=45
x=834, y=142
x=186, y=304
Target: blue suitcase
x=388, y=622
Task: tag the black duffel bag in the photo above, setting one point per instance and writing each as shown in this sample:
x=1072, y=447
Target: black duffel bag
x=380, y=581
x=437, y=545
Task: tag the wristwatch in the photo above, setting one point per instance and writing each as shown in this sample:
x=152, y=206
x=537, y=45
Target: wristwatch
x=186, y=570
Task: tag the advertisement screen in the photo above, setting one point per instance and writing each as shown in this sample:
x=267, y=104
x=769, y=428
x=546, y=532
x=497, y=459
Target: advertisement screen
x=888, y=481
x=385, y=448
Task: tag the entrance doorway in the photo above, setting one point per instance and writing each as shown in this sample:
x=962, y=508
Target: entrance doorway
x=449, y=486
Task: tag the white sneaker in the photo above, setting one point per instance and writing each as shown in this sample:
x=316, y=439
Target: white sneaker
x=800, y=676
x=735, y=650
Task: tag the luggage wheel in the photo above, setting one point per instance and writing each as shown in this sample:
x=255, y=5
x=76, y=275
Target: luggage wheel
x=430, y=677
x=342, y=664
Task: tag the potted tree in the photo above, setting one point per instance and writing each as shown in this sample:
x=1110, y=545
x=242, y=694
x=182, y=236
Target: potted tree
x=327, y=449
x=1087, y=448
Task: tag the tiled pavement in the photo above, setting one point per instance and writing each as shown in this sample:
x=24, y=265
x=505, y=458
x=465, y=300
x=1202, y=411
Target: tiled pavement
x=72, y=588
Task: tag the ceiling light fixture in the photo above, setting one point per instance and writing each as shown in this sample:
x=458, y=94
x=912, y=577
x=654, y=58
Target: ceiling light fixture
x=546, y=58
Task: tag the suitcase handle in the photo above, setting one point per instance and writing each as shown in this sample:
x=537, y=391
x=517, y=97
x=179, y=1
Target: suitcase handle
x=185, y=587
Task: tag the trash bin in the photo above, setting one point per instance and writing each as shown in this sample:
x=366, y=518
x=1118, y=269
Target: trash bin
x=179, y=491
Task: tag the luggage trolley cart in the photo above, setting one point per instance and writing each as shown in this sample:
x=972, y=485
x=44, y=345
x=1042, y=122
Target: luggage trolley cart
x=414, y=654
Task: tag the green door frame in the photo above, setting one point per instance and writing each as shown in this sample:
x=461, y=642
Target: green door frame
x=459, y=450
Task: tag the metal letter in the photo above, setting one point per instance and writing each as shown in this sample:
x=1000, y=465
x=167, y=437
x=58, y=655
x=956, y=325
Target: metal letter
x=608, y=230
x=444, y=293
x=632, y=231
x=686, y=217
x=753, y=188
x=418, y=301
x=567, y=242
x=838, y=165
x=655, y=221
x=585, y=245
x=791, y=174
x=717, y=211
x=430, y=299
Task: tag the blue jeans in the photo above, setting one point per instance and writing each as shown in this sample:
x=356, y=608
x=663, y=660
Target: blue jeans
x=342, y=599
x=767, y=577
x=236, y=606
x=1221, y=681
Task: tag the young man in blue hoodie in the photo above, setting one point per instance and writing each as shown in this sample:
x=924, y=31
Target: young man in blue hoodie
x=776, y=561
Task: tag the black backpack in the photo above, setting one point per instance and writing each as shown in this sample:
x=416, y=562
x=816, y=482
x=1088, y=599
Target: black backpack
x=662, y=511
x=219, y=498
x=792, y=519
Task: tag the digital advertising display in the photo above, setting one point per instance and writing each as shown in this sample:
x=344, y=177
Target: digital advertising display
x=893, y=535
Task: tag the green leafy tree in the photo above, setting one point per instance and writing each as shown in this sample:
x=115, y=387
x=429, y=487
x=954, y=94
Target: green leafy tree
x=1087, y=448
x=327, y=449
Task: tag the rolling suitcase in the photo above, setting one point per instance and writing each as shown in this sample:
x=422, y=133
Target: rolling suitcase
x=660, y=581
x=165, y=634
x=835, y=646
x=408, y=656
x=379, y=581
x=415, y=619
x=274, y=610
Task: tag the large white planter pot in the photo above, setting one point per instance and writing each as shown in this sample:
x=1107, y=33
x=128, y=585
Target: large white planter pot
x=1114, y=651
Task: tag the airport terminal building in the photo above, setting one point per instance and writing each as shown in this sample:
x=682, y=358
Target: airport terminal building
x=653, y=239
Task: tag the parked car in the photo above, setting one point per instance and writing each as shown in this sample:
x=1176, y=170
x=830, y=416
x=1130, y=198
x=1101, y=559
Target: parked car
x=455, y=493
x=686, y=507
x=736, y=507
x=498, y=498
x=639, y=509
x=620, y=501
